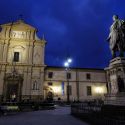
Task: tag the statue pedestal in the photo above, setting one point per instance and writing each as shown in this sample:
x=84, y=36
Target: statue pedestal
x=116, y=82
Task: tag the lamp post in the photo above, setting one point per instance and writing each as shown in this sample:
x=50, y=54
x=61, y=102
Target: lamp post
x=67, y=66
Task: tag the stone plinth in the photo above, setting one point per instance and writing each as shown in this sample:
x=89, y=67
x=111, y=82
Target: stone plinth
x=116, y=82
x=115, y=99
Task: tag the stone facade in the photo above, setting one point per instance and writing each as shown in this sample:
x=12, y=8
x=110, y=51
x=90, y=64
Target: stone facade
x=21, y=61
x=116, y=82
x=23, y=73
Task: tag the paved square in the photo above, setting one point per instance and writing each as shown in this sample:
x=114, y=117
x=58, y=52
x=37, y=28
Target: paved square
x=59, y=116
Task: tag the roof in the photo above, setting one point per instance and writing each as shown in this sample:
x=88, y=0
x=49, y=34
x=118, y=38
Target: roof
x=74, y=68
x=19, y=25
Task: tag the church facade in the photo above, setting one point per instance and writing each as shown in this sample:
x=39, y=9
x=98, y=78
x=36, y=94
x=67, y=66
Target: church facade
x=24, y=75
x=21, y=61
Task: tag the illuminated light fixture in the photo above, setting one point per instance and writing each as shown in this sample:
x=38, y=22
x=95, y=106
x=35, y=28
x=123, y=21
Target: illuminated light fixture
x=56, y=89
x=69, y=60
x=99, y=90
x=66, y=64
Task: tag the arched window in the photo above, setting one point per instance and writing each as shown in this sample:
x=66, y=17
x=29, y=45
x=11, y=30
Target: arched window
x=16, y=57
x=35, y=85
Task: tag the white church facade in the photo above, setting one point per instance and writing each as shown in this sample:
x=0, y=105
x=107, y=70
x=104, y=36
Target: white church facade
x=24, y=74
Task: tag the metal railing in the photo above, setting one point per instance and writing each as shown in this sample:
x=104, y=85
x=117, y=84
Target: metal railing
x=99, y=114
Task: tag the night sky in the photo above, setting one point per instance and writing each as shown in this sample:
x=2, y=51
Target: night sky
x=75, y=28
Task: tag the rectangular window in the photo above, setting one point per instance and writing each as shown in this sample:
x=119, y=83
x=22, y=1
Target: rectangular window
x=88, y=76
x=68, y=75
x=69, y=89
x=50, y=74
x=50, y=83
x=89, y=91
x=16, y=57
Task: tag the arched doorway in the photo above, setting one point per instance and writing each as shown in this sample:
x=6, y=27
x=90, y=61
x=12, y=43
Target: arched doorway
x=48, y=93
x=12, y=87
x=50, y=96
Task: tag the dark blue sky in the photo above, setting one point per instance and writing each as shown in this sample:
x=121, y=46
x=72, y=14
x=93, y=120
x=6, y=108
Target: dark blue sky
x=78, y=28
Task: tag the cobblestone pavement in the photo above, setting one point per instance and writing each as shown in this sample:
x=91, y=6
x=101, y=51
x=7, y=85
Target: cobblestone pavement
x=59, y=116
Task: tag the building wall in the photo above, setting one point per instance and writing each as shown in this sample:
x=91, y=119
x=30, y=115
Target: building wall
x=21, y=37
x=78, y=82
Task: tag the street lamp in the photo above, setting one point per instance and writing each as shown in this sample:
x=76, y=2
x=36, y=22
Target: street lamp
x=69, y=60
x=67, y=65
